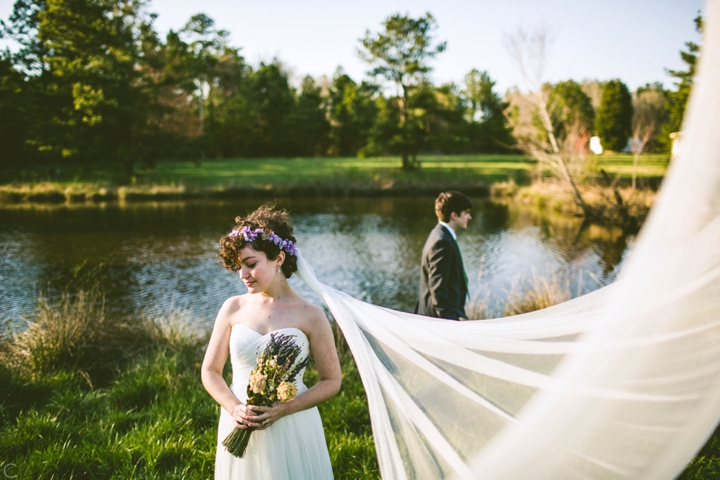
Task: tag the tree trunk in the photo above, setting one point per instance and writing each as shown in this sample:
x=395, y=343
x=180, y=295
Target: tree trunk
x=578, y=197
x=545, y=117
x=634, y=175
x=407, y=164
x=129, y=167
x=201, y=108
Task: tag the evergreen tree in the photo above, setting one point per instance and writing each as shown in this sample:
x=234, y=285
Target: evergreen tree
x=488, y=130
x=311, y=127
x=650, y=116
x=352, y=112
x=613, y=123
x=13, y=121
x=271, y=106
x=677, y=100
x=41, y=101
x=571, y=108
x=96, y=65
x=207, y=44
x=400, y=54
x=440, y=124
x=22, y=26
x=572, y=117
x=386, y=135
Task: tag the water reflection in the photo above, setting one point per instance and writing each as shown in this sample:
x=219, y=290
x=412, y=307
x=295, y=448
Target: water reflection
x=159, y=256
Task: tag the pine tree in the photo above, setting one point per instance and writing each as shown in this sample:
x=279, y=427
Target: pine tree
x=613, y=123
x=678, y=99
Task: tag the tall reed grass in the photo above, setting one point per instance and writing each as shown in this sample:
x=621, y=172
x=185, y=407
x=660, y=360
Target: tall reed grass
x=526, y=294
x=540, y=292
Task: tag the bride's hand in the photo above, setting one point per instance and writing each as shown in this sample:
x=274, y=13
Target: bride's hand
x=244, y=417
x=266, y=416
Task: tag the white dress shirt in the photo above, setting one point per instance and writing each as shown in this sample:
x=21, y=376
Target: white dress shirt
x=452, y=232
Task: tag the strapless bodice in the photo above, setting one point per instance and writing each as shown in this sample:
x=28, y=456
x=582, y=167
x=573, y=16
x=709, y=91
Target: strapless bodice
x=247, y=344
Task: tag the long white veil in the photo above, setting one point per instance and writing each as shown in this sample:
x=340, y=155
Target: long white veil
x=620, y=383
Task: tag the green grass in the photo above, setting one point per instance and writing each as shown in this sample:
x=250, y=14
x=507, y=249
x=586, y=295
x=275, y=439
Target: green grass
x=294, y=176
x=706, y=464
x=149, y=417
x=487, y=168
x=286, y=171
x=145, y=413
x=153, y=421
x=621, y=164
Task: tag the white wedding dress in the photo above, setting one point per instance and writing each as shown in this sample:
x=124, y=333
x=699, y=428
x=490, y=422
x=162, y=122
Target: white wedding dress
x=294, y=447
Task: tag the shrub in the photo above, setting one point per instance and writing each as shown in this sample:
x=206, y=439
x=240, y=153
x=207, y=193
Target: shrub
x=613, y=123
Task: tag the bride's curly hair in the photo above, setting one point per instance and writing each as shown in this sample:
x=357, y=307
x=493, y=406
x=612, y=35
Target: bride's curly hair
x=269, y=219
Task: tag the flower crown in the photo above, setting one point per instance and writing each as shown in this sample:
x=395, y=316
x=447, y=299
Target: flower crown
x=250, y=235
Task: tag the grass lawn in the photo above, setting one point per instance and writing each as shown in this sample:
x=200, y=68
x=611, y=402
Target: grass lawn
x=274, y=177
x=621, y=165
x=453, y=168
x=478, y=168
x=487, y=169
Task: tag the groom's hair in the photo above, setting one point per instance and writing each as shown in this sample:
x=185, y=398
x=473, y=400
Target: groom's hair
x=451, y=201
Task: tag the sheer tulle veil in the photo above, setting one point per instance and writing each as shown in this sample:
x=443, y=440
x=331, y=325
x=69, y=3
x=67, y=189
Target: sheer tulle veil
x=619, y=383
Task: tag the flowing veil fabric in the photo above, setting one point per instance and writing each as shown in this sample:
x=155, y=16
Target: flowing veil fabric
x=620, y=383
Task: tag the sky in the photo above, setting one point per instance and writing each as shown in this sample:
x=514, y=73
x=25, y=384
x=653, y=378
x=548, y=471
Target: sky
x=634, y=40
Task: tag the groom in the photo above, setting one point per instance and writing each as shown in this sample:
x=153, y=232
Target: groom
x=443, y=282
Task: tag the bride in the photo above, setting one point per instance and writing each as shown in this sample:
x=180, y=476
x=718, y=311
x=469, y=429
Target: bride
x=288, y=440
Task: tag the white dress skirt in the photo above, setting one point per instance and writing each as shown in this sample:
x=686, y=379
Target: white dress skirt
x=294, y=447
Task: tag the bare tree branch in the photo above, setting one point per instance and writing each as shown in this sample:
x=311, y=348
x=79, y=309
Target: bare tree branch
x=530, y=50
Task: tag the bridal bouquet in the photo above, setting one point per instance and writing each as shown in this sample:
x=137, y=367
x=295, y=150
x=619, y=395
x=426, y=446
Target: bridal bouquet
x=270, y=381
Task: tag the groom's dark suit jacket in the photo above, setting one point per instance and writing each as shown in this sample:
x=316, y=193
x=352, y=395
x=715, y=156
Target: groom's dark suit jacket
x=443, y=284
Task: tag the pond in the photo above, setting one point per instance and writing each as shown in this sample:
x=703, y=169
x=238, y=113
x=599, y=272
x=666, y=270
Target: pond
x=157, y=257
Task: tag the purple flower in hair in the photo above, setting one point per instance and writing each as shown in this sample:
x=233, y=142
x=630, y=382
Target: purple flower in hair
x=251, y=235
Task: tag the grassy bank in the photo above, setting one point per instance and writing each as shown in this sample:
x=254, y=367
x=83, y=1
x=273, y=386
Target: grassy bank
x=616, y=203
x=85, y=396
x=267, y=178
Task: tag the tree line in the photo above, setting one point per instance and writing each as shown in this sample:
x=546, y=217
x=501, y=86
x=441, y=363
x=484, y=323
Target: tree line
x=93, y=83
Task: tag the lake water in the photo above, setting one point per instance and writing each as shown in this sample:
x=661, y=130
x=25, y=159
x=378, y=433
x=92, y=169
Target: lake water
x=161, y=256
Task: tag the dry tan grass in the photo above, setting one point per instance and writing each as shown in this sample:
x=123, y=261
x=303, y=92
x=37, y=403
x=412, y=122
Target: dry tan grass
x=150, y=192
x=503, y=189
x=58, y=336
x=540, y=292
x=604, y=201
x=47, y=192
x=524, y=296
x=74, y=333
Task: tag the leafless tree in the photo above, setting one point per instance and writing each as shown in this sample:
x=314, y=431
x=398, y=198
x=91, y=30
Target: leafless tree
x=648, y=117
x=530, y=51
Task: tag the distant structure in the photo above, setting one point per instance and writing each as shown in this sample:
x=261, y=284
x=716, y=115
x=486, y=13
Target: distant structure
x=634, y=144
x=596, y=146
x=676, y=138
